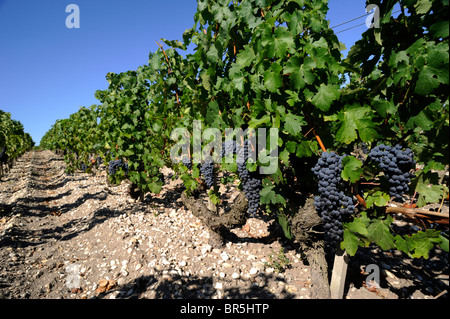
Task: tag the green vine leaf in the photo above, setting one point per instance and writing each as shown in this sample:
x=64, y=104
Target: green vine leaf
x=293, y=124
x=427, y=187
x=424, y=242
x=272, y=77
x=325, y=96
x=379, y=233
x=350, y=243
x=377, y=198
x=351, y=169
x=356, y=119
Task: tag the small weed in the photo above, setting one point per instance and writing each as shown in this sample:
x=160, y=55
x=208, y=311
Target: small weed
x=278, y=261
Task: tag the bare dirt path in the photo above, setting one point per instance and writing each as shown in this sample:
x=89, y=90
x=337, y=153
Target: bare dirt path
x=73, y=236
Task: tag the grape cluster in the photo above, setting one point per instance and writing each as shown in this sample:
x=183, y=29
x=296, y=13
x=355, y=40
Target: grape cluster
x=251, y=182
x=396, y=164
x=242, y=157
x=364, y=148
x=332, y=203
x=115, y=165
x=187, y=162
x=207, y=170
x=228, y=147
x=83, y=167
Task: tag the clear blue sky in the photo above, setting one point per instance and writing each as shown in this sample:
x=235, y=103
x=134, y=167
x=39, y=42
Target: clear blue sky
x=48, y=71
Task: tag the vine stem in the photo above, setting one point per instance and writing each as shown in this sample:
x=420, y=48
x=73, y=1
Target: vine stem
x=319, y=140
x=415, y=211
x=412, y=199
x=170, y=69
x=442, y=203
x=167, y=59
x=309, y=131
x=361, y=200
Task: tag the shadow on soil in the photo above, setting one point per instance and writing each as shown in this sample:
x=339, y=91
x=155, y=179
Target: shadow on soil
x=192, y=287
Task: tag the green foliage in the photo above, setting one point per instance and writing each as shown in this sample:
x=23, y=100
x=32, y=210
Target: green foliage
x=428, y=188
x=13, y=137
x=362, y=231
x=351, y=169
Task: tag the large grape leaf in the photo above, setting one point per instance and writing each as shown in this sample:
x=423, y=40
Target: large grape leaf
x=379, y=232
x=245, y=57
x=376, y=197
x=405, y=244
x=350, y=243
x=351, y=170
x=427, y=187
x=356, y=119
x=325, y=96
x=268, y=195
x=355, y=234
x=293, y=123
x=434, y=72
x=272, y=77
x=424, y=241
x=278, y=42
x=300, y=72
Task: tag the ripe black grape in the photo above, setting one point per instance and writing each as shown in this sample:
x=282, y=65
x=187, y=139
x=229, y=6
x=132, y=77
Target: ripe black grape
x=251, y=182
x=364, y=148
x=396, y=164
x=228, y=147
x=332, y=203
x=115, y=165
x=83, y=167
x=187, y=162
x=207, y=170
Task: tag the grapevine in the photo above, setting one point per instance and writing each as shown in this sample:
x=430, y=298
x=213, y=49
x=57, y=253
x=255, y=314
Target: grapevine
x=14, y=141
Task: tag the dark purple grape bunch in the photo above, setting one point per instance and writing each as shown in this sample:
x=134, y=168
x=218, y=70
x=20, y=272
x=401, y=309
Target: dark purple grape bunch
x=332, y=203
x=187, y=162
x=115, y=165
x=207, y=170
x=251, y=181
x=396, y=163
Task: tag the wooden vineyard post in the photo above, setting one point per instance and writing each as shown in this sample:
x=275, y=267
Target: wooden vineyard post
x=338, y=275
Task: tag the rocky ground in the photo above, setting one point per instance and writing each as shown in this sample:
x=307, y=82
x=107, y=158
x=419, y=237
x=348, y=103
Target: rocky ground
x=75, y=237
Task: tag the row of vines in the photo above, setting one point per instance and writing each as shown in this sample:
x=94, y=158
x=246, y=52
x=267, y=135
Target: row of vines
x=14, y=142
x=278, y=64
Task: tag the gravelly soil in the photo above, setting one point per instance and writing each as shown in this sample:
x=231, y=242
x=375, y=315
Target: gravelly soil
x=75, y=237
